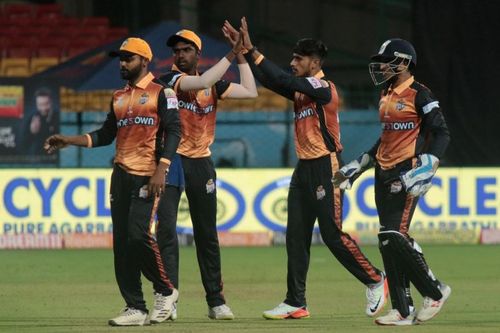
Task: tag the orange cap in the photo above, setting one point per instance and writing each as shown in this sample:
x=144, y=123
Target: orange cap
x=184, y=35
x=135, y=46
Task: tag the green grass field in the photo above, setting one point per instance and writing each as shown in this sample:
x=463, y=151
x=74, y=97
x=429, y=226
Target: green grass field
x=75, y=291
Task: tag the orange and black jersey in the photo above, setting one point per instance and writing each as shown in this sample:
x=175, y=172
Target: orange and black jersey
x=412, y=124
x=316, y=118
x=197, y=111
x=145, y=121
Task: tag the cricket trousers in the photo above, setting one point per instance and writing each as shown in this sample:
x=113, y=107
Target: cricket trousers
x=201, y=192
x=135, y=249
x=312, y=196
x=395, y=209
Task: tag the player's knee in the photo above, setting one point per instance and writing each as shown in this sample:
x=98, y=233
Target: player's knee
x=391, y=238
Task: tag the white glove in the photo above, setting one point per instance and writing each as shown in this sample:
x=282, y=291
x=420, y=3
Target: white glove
x=418, y=180
x=344, y=178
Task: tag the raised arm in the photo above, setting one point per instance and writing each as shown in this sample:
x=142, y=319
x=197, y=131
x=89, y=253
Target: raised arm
x=246, y=88
x=212, y=75
x=315, y=88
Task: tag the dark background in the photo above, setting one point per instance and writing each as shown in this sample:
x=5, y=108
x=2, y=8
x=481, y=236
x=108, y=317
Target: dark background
x=456, y=42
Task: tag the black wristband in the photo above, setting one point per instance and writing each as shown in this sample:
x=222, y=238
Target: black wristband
x=252, y=50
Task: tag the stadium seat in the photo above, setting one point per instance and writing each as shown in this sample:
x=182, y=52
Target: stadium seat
x=40, y=64
x=18, y=10
x=46, y=21
x=38, y=32
x=18, y=51
x=116, y=33
x=99, y=31
x=69, y=21
x=82, y=44
x=50, y=51
x=22, y=22
x=95, y=21
x=53, y=10
x=15, y=67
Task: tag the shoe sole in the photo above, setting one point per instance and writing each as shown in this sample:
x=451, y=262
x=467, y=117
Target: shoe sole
x=114, y=323
x=444, y=301
x=396, y=324
x=299, y=314
x=222, y=318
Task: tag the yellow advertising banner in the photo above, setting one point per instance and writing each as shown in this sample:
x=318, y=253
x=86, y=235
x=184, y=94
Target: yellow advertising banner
x=65, y=201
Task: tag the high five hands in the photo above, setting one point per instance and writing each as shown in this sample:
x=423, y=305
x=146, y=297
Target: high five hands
x=234, y=37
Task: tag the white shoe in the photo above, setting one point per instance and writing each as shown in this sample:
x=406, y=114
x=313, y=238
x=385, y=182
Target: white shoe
x=163, y=307
x=221, y=312
x=130, y=317
x=285, y=311
x=394, y=318
x=431, y=308
x=376, y=296
x=173, y=316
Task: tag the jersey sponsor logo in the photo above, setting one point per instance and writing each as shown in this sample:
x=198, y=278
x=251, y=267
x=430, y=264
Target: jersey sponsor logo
x=194, y=108
x=315, y=83
x=398, y=126
x=172, y=103
x=139, y=120
x=309, y=112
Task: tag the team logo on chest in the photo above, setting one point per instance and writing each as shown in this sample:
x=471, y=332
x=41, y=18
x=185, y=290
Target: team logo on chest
x=144, y=98
x=400, y=105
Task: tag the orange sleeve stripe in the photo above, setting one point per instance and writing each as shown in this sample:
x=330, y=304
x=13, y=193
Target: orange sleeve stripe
x=165, y=160
x=259, y=59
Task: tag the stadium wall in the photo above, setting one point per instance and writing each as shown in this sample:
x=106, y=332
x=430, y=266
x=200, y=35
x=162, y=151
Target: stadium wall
x=61, y=208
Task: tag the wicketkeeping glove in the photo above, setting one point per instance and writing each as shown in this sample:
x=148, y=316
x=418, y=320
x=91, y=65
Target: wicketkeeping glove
x=345, y=177
x=418, y=180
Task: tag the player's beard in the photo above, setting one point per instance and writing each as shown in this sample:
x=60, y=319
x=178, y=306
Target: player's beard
x=186, y=66
x=130, y=74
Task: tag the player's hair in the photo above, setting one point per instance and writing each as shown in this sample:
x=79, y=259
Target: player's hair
x=43, y=92
x=311, y=47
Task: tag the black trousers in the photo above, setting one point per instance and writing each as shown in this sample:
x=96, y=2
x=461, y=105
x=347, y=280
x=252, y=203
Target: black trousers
x=394, y=206
x=135, y=249
x=312, y=196
x=201, y=192
x=395, y=209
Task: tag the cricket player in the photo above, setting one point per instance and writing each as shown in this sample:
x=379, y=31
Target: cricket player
x=413, y=140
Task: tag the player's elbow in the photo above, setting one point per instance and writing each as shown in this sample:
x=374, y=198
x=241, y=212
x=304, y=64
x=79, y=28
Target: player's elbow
x=253, y=94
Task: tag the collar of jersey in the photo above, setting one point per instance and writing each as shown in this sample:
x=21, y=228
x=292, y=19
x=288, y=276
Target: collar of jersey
x=403, y=86
x=144, y=81
x=175, y=68
x=319, y=75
